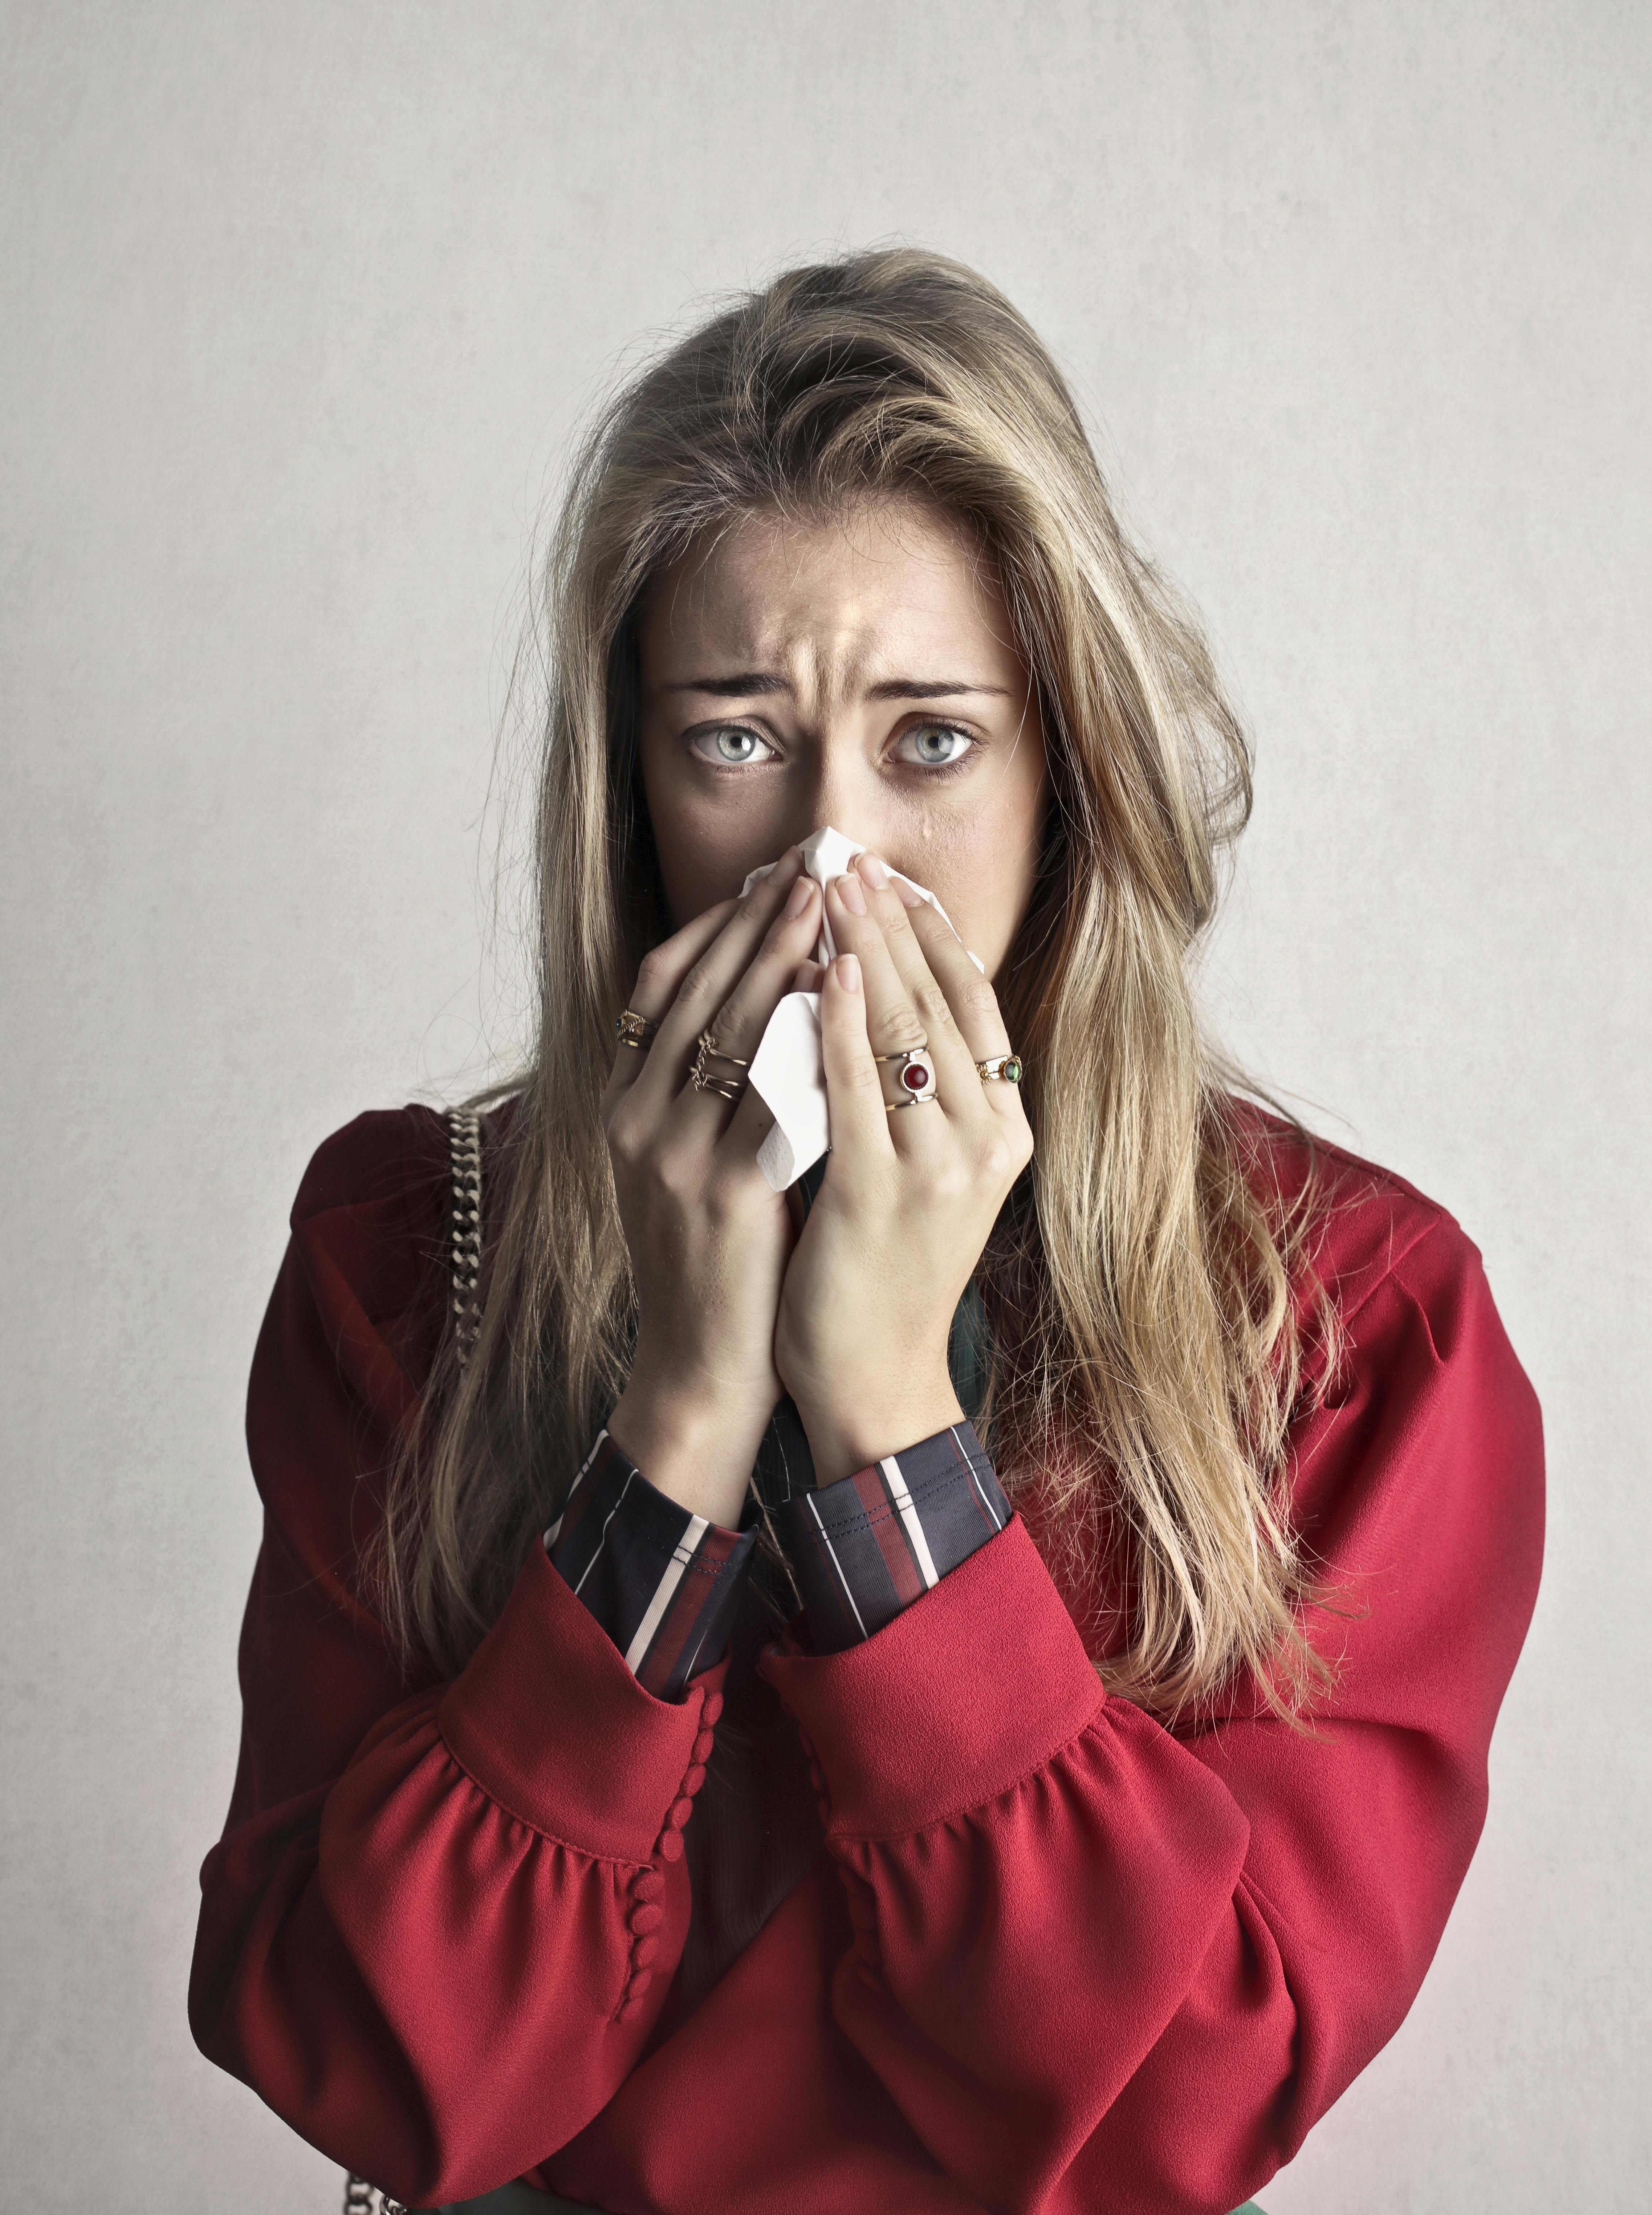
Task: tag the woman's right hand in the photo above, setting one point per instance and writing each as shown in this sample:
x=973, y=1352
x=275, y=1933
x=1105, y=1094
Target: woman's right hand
x=708, y=1240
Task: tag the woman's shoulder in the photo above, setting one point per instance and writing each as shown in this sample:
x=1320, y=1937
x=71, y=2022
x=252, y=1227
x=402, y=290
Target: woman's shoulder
x=1362, y=1226
x=390, y=1166
x=372, y=1222
x=383, y=1157
x=1425, y=1407
x=370, y=1226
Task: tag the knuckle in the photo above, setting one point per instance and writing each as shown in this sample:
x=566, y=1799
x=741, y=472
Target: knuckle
x=700, y=982
x=1005, y=1151
x=998, y=1162
x=933, y=1006
x=624, y=1139
x=904, y=1029
x=731, y=1024
x=892, y=915
x=676, y=1173
x=861, y=1075
x=977, y=999
x=654, y=974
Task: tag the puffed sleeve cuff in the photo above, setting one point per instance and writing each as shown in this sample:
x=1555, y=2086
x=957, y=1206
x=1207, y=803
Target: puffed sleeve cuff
x=950, y=1704
x=549, y=1722
x=865, y=1549
x=662, y=1582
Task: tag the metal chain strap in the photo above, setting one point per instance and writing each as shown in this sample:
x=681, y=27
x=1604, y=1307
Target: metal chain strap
x=465, y=1241
x=464, y=1256
x=361, y=2197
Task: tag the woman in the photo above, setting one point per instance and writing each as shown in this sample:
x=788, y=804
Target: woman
x=1069, y=1825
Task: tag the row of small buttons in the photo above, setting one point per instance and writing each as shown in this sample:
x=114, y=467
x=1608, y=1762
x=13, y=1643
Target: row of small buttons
x=647, y=1914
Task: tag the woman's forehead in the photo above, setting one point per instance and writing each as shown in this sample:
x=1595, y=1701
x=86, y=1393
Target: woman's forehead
x=890, y=590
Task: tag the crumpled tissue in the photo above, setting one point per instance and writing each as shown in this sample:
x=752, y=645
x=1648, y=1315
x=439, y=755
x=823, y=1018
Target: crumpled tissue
x=787, y=1070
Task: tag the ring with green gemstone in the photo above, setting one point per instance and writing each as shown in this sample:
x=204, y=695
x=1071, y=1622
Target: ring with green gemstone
x=1001, y=1069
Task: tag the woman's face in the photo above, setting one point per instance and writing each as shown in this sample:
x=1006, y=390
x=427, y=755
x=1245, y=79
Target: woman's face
x=861, y=672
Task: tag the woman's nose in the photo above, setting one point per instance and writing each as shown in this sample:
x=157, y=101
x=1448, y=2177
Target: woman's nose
x=846, y=796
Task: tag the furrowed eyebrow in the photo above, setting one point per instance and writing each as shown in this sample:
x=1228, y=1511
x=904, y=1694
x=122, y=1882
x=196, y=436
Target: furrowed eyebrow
x=905, y=688
x=752, y=683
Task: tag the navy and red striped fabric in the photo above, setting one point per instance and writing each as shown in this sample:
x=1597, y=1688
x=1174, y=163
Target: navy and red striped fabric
x=863, y=1550
x=663, y=1582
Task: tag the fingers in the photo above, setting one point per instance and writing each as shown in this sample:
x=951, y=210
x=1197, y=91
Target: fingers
x=922, y=945
x=739, y=1023
x=706, y=981
x=657, y=984
x=971, y=999
x=860, y=1126
x=906, y=1005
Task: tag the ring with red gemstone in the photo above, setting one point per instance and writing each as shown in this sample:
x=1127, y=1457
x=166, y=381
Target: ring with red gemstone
x=914, y=1073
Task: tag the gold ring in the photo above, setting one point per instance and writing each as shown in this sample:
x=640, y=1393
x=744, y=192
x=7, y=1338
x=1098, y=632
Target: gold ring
x=1001, y=1069
x=709, y=1050
x=635, y=1030
x=726, y=1088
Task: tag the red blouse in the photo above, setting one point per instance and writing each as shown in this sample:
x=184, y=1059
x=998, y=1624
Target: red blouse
x=1050, y=1955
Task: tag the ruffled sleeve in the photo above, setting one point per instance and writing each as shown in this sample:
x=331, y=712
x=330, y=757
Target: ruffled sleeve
x=416, y=1875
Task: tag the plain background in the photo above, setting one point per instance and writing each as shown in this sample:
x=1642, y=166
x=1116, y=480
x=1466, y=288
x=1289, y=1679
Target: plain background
x=301, y=304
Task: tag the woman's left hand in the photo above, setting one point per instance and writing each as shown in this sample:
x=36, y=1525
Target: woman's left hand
x=909, y=1198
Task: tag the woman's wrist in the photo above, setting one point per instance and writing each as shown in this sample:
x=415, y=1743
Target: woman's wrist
x=860, y=1430
x=695, y=1446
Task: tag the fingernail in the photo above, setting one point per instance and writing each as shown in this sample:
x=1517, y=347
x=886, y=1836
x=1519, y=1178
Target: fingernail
x=799, y=897
x=850, y=893
x=874, y=872
x=848, y=972
x=910, y=895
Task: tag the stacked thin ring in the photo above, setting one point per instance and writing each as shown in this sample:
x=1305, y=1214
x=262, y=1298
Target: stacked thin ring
x=704, y=1080
x=1000, y=1069
x=635, y=1030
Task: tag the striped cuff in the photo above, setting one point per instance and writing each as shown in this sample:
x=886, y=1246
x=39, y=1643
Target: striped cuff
x=867, y=1548
x=662, y=1583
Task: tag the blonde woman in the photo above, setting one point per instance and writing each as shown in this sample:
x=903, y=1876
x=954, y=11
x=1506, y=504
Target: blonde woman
x=963, y=1685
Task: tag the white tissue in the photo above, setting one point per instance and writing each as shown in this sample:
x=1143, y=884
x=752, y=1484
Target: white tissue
x=788, y=1070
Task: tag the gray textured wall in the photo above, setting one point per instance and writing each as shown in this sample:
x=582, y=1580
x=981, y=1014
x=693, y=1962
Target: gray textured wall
x=300, y=302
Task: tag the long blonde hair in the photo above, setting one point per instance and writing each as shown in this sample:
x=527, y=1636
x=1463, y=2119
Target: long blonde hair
x=1147, y=1357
